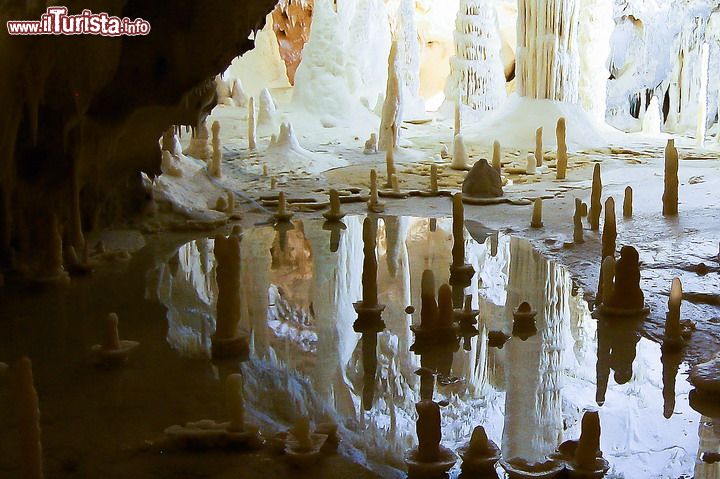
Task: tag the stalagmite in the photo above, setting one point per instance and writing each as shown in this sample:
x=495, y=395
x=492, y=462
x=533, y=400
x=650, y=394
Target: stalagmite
x=374, y=204
x=429, y=459
x=609, y=234
x=627, y=297
x=531, y=164
x=673, y=330
x=27, y=418
x=537, y=214
x=577, y=222
x=227, y=341
x=392, y=108
x=652, y=120
x=628, y=202
x=169, y=166
x=390, y=166
x=237, y=93
x=170, y=141
x=215, y=166
x=267, y=112
x=670, y=195
x=199, y=147
x=539, y=146
x=477, y=77
x=252, y=126
x=395, y=184
x=460, y=160
x=433, y=179
x=496, y=157
x=282, y=214
x=562, y=155
x=595, y=195
x=480, y=454
x=444, y=152
x=588, y=457
x=112, y=352
x=371, y=145
x=303, y=446
x=273, y=182
x=702, y=96
x=335, y=214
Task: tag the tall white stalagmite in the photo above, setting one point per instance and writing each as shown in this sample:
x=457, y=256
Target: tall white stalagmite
x=548, y=61
x=477, y=76
x=392, y=111
x=596, y=25
x=406, y=35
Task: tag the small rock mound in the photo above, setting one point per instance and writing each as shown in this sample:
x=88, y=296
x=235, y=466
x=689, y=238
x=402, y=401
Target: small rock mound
x=483, y=181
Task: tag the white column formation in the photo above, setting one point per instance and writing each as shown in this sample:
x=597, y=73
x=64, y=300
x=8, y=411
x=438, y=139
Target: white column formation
x=596, y=26
x=548, y=62
x=477, y=77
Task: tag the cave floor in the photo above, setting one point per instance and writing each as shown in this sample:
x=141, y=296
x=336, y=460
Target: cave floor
x=109, y=424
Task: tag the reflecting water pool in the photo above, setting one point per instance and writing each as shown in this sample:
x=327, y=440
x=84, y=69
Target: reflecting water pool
x=308, y=356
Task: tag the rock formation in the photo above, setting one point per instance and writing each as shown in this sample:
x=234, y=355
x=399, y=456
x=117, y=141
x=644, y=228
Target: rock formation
x=482, y=181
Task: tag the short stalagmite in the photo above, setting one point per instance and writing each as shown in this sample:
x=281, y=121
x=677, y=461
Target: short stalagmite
x=460, y=160
x=335, y=213
x=537, y=214
x=497, y=156
x=628, y=203
x=374, y=204
x=670, y=195
x=531, y=165
x=673, y=329
x=539, y=146
x=113, y=351
x=371, y=145
x=627, y=295
x=595, y=196
x=577, y=222
x=215, y=165
x=587, y=455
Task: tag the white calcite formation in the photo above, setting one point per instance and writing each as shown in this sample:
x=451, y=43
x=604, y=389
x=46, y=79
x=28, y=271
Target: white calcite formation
x=199, y=146
x=371, y=145
x=340, y=76
x=406, y=35
x=261, y=67
x=477, y=77
x=652, y=120
x=267, y=118
x=285, y=155
x=460, y=160
x=596, y=24
x=548, y=60
x=392, y=111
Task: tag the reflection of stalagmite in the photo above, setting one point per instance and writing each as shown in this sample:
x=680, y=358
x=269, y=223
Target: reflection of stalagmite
x=227, y=341
x=255, y=270
x=671, y=364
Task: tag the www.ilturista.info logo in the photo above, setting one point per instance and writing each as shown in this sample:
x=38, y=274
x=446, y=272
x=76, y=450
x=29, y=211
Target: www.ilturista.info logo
x=56, y=21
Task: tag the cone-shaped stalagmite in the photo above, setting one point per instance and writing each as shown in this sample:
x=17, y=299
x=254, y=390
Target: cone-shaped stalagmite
x=670, y=195
x=537, y=214
x=539, y=146
x=595, y=195
x=628, y=203
x=562, y=157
